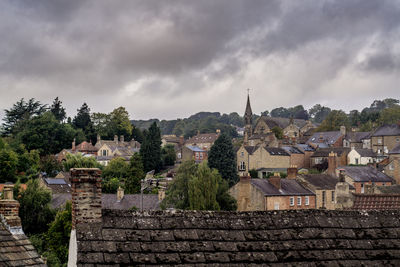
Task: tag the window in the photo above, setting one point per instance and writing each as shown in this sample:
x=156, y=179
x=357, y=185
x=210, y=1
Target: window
x=379, y=151
x=242, y=154
x=323, y=198
x=201, y=155
x=379, y=140
x=356, y=161
x=307, y=200
x=333, y=196
x=197, y=155
x=104, y=152
x=276, y=206
x=362, y=188
x=298, y=201
x=291, y=201
x=242, y=166
x=397, y=139
x=179, y=155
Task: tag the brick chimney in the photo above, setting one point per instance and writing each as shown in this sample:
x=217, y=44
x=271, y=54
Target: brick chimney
x=275, y=180
x=122, y=138
x=333, y=163
x=9, y=208
x=292, y=172
x=343, y=130
x=86, y=196
x=120, y=194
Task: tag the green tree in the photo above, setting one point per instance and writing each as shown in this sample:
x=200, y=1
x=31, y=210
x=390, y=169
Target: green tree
x=333, y=121
x=117, y=168
x=390, y=115
x=83, y=121
x=101, y=124
x=198, y=187
x=277, y=131
x=203, y=188
x=223, y=158
x=35, y=211
x=168, y=155
x=318, y=113
x=58, y=110
x=8, y=165
x=150, y=149
x=57, y=237
x=46, y=134
x=50, y=165
x=137, y=134
x=28, y=162
x=120, y=123
x=20, y=112
x=79, y=161
x=136, y=173
x=110, y=186
x=280, y=112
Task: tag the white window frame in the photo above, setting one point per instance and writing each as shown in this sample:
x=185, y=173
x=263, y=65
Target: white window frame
x=201, y=155
x=379, y=140
x=276, y=206
x=298, y=201
x=333, y=196
x=291, y=203
x=196, y=155
x=362, y=188
x=307, y=200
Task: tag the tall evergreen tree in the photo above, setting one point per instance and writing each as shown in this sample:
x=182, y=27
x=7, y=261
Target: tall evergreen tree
x=136, y=173
x=222, y=157
x=58, y=110
x=82, y=119
x=150, y=149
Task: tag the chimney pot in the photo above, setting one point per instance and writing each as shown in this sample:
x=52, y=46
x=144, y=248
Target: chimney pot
x=9, y=209
x=120, y=194
x=121, y=138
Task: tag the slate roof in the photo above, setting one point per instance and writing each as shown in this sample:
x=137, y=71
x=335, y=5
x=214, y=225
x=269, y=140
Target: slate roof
x=304, y=147
x=395, y=150
x=195, y=149
x=109, y=201
x=282, y=122
x=387, y=130
x=292, y=150
x=279, y=238
x=392, y=189
x=365, y=174
x=289, y=187
x=324, y=152
x=17, y=250
x=364, y=152
x=321, y=181
x=328, y=138
x=203, y=138
x=276, y=151
x=376, y=202
x=57, y=185
x=251, y=149
x=357, y=137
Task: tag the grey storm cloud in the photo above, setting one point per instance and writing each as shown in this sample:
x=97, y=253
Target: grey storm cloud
x=189, y=56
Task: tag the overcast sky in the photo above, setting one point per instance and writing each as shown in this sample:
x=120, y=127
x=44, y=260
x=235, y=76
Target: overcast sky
x=170, y=59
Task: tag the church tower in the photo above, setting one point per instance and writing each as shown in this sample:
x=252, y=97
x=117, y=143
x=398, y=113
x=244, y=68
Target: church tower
x=248, y=121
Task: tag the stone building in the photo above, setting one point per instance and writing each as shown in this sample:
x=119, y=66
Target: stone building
x=85, y=148
x=274, y=193
x=192, y=153
x=321, y=155
x=355, y=139
x=361, y=156
x=327, y=139
x=15, y=247
x=261, y=158
x=385, y=138
x=109, y=149
x=295, y=238
x=203, y=141
x=297, y=156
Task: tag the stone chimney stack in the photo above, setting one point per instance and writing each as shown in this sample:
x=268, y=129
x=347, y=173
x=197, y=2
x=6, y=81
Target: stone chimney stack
x=275, y=180
x=86, y=196
x=98, y=138
x=116, y=139
x=120, y=194
x=344, y=198
x=73, y=145
x=333, y=163
x=9, y=208
x=343, y=130
x=121, y=138
x=292, y=172
x=181, y=140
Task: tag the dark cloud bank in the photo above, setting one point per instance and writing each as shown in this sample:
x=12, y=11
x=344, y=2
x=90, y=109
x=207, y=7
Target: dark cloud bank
x=169, y=59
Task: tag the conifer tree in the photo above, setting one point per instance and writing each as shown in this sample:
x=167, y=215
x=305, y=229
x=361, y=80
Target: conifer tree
x=150, y=149
x=222, y=157
x=58, y=110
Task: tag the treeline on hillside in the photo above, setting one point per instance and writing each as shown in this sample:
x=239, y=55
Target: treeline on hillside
x=379, y=112
x=203, y=122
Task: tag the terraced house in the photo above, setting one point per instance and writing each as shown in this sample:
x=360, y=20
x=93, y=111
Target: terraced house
x=385, y=138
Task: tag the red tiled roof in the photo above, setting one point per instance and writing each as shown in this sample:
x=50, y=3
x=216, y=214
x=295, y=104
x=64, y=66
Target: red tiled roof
x=86, y=146
x=376, y=202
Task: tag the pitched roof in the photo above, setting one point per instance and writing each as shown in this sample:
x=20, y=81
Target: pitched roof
x=17, y=250
x=256, y=136
x=109, y=201
x=391, y=189
x=292, y=150
x=294, y=238
x=365, y=174
x=289, y=187
x=395, y=150
x=251, y=149
x=203, y=138
x=195, y=149
x=328, y=138
x=376, y=202
x=282, y=122
x=321, y=181
x=304, y=147
x=356, y=137
x=276, y=151
x=86, y=146
x=387, y=130
x=364, y=152
x=57, y=185
x=324, y=152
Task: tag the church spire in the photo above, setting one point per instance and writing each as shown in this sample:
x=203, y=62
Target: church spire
x=248, y=114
